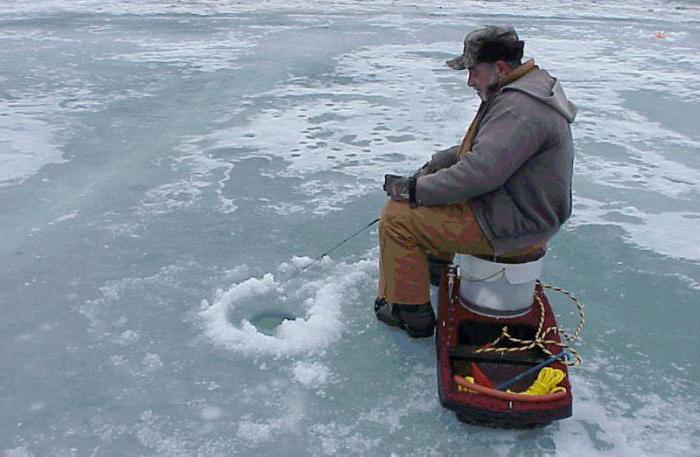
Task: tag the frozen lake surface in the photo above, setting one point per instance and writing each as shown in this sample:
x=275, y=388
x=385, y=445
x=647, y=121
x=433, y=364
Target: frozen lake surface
x=166, y=165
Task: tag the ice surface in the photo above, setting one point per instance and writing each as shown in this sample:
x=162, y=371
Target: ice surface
x=168, y=167
x=27, y=140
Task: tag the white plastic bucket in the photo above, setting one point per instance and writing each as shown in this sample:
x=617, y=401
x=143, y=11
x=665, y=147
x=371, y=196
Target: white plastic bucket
x=497, y=289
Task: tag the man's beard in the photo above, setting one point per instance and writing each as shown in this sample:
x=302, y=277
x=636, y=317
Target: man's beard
x=494, y=79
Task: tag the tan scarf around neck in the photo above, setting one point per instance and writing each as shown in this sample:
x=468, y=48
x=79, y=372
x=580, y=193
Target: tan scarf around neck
x=513, y=76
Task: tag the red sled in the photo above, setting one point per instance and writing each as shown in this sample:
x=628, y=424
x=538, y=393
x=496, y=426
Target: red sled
x=464, y=330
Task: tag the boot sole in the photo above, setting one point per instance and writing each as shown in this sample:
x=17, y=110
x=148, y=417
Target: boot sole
x=423, y=333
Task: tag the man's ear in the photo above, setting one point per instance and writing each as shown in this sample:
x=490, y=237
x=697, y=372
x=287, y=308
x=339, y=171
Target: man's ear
x=502, y=67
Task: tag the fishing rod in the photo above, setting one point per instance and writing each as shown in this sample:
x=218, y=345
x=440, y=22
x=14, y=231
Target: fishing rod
x=339, y=244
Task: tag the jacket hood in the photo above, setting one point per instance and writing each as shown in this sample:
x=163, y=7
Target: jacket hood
x=545, y=88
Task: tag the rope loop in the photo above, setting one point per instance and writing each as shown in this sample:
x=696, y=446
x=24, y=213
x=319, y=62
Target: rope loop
x=542, y=336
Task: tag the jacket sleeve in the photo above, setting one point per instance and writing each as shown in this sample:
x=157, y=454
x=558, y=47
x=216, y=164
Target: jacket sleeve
x=445, y=158
x=438, y=161
x=504, y=142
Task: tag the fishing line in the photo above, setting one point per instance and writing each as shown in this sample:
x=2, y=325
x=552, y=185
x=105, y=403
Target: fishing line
x=317, y=259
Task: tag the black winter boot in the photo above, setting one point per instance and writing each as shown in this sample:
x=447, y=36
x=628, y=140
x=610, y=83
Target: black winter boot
x=417, y=320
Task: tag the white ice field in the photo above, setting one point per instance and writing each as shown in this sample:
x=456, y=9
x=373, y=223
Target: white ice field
x=167, y=166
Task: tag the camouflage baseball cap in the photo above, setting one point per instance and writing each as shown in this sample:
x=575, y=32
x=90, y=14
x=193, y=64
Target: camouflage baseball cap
x=488, y=44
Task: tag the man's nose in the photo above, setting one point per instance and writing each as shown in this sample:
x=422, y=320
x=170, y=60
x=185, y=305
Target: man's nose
x=470, y=80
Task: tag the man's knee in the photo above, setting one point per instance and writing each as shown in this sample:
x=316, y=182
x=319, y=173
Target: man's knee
x=394, y=209
x=395, y=214
x=394, y=222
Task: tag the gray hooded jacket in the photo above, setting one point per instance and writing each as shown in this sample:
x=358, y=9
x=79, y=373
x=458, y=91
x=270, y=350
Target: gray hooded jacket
x=517, y=176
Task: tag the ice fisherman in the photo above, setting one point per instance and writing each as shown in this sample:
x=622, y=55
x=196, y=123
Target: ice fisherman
x=501, y=194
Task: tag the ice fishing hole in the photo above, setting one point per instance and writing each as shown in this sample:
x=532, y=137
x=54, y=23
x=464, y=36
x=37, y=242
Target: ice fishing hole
x=267, y=321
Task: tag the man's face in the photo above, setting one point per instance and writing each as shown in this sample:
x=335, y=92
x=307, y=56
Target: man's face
x=483, y=77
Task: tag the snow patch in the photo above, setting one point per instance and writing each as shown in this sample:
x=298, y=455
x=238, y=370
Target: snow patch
x=211, y=413
x=27, y=142
x=152, y=362
x=310, y=374
x=65, y=217
x=671, y=234
x=256, y=432
x=321, y=325
x=16, y=452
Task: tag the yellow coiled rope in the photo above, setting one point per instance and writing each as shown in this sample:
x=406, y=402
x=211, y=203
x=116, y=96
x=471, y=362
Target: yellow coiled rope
x=546, y=383
x=464, y=389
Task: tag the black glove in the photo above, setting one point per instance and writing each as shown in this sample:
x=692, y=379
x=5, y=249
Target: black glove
x=401, y=188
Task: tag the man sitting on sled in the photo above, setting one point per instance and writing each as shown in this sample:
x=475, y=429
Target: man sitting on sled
x=501, y=194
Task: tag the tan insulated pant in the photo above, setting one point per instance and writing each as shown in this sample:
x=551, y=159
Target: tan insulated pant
x=406, y=235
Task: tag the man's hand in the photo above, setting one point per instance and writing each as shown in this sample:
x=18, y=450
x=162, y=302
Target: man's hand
x=396, y=187
x=401, y=188
x=428, y=169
